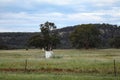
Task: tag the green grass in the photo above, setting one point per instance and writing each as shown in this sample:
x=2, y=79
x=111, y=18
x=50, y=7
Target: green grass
x=51, y=76
x=94, y=64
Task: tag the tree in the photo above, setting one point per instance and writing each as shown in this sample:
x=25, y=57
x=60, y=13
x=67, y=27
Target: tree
x=2, y=44
x=36, y=41
x=115, y=42
x=85, y=36
x=49, y=35
x=48, y=39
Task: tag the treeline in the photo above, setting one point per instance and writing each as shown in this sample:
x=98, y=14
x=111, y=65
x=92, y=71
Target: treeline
x=109, y=36
x=12, y=40
x=96, y=36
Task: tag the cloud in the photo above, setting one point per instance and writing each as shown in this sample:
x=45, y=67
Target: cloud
x=59, y=2
x=26, y=18
x=19, y=28
x=56, y=5
x=5, y=30
x=7, y=1
x=57, y=17
x=31, y=13
x=104, y=2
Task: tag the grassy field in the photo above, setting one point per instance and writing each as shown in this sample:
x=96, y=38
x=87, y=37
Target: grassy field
x=95, y=64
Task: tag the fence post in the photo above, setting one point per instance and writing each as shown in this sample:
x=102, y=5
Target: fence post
x=115, y=72
x=26, y=62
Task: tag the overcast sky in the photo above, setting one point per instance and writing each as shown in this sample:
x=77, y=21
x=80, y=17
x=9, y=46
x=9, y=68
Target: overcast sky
x=26, y=15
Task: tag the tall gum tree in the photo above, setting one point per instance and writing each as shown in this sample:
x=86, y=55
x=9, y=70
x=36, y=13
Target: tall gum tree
x=49, y=36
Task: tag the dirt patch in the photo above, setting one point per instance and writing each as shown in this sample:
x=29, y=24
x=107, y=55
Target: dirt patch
x=58, y=70
x=36, y=70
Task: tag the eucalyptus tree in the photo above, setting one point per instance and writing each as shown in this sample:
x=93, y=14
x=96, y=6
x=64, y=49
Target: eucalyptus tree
x=50, y=37
x=85, y=36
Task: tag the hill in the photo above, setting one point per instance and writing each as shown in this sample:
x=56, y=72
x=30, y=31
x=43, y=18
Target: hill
x=19, y=40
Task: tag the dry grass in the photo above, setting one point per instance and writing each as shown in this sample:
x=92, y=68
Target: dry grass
x=96, y=61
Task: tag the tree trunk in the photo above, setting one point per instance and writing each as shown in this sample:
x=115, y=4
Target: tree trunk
x=48, y=52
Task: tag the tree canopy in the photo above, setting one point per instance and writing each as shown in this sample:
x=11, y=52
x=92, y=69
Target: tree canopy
x=85, y=36
x=115, y=42
x=48, y=38
x=3, y=45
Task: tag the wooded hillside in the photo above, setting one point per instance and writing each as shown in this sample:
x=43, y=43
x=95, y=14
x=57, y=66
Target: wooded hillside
x=10, y=40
